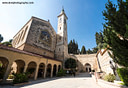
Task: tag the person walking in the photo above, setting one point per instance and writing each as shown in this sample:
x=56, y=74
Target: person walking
x=74, y=74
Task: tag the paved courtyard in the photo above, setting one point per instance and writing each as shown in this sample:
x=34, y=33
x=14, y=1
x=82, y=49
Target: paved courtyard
x=80, y=81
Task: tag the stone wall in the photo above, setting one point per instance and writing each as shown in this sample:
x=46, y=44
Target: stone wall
x=104, y=61
x=84, y=59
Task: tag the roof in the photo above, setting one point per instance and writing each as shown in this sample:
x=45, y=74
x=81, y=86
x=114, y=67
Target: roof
x=62, y=12
x=25, y=52
x=101, y=52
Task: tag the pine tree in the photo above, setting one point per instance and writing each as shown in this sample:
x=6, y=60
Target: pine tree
x=89, y=51
x=83, y=50
x=116, y=30
x=73, y=47
x=99, y=37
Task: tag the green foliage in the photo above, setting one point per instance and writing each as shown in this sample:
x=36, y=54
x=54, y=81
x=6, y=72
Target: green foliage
x=20, y=78
x=31, y=70
x=116, y=30
x=110, y=77
x=1, y=38
x=8, y=43
x=70, y=63
x=61, y=73
x=89, y=51
x=73, y=47
x=100, y=41
x=123, y=74
x=83, y=50
x=99, y=37
x=94, y=50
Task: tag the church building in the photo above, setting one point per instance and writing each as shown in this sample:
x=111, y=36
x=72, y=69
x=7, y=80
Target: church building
x=36, y=48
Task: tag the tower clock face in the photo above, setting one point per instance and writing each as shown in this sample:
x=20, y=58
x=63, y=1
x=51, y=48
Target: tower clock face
x=45, y=38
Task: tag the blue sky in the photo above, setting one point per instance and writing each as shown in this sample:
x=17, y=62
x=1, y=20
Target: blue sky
x=84, y=17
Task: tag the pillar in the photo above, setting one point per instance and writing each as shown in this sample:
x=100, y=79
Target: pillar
x=8, y=70
x=45, y=70
x=25, y=67
x=36, y=72
x=51, y=71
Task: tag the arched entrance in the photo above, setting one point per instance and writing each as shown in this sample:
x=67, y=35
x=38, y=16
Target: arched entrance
x=87, y=67
x=49, y=68
x=18, y=66
x=54, y=70
x=3, y=66
x=41, y=70
x=31, y=69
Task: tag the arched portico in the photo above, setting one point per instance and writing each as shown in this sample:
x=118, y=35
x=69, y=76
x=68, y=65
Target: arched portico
x=25, y=62
x=18, y=66
x=31, y=69
x=87, y=67
x=3, y=66
x=49, y=68
x=41, y=70
x=54, y=70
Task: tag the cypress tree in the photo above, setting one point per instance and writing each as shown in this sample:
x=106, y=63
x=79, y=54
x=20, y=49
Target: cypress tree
x=116, y=30
x=83, y=50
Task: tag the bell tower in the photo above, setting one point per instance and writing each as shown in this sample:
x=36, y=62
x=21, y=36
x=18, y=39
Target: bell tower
x=62, y=41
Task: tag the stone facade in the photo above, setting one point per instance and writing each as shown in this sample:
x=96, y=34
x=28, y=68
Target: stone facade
x=38, y=36
x=62, y=39
x=86, y=62
x=36, y=47
x=39, y=48
x=104, y=60
x=25, y=61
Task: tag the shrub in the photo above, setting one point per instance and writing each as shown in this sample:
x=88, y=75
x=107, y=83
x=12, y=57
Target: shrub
x=20, y=78
x=61, y=73
x=123, y=74
x=110, y=77
x=70, y=63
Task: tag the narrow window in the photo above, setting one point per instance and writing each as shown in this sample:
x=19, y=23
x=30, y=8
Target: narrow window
x=60, y=38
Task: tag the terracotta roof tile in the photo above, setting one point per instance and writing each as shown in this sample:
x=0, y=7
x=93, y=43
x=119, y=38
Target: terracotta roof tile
x=24, y=52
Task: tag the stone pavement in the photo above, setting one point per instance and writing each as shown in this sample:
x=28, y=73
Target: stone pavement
x=82, y=80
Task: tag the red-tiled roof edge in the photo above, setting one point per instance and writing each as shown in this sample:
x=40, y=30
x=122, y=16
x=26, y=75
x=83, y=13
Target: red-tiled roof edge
x=25, y=52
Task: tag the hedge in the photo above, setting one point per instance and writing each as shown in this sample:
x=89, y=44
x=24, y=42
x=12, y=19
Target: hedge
x=123, y=74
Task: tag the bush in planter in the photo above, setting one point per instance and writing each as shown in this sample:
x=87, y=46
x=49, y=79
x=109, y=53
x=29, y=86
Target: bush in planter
x=123, y=74
x=110, y=77
x=11, y=77
x=61, y=73
x=20, y=78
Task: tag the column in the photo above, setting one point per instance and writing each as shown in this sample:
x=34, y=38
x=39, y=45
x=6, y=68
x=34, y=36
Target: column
x=45, y=70
x=25, y=68
x=51, y=71
x=36, y=72
x=8, y=70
